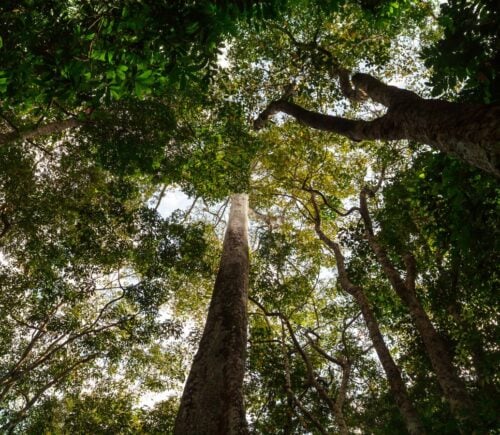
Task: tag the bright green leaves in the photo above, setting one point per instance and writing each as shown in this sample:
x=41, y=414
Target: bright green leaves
x=143, y=83
x=221, y=152
x=81, y=58
x=172, y=39
x=98, y=55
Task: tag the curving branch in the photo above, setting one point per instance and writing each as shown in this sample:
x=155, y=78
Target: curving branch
x=470, y=132
x=21, y=415
x=335, y=406
x=291, y=395
x=396, y=383
x=452, y=385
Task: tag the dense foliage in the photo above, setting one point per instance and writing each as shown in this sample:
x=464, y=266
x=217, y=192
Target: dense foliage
x=106, y=106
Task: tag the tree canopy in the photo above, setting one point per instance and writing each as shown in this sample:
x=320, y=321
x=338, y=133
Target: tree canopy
x=365, y=135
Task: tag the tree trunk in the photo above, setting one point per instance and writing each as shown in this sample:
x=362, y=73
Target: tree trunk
x=396, y=383
x=470, y=132
x=452, y=386
x=212, y=402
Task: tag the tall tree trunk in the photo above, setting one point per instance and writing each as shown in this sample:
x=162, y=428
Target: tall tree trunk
x=470, y=132
x=212, y=402
x=396, y=383
x=452, y=386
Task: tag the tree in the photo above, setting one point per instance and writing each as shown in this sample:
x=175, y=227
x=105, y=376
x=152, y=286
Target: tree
x=212, y=402
x=105, y=106
x=470, y=132
x=392, y=371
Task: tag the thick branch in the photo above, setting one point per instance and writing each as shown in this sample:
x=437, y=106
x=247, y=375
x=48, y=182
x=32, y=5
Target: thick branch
x=380, y=92
x=470, y=132
x=44, y=130
x=355, y=130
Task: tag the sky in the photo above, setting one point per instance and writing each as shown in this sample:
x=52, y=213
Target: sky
x=173, y=199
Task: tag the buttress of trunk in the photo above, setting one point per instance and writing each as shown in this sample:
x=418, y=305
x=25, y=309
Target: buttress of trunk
x=212, y=402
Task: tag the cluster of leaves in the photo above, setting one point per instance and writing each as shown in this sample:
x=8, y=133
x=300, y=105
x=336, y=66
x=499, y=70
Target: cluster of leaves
x=444, y=213
x=100, y=413
x=86, y=269
x=90, y=276
x=299, y=312
x=82, y=51
x=466, y=60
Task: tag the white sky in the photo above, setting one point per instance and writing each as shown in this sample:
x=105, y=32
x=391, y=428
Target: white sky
x=174, y=199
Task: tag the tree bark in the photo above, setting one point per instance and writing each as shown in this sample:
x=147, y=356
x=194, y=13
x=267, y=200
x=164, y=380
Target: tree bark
x=396, y=384
x=212, y=402
x=470, y=132
x=44, y=130
x=452, y=386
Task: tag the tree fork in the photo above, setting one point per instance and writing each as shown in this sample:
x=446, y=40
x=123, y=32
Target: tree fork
x=212, y=402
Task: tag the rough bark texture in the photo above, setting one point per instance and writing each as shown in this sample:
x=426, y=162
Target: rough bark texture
x=470, y=132
x=44, y=130
x=396, y=384
x=212, y=402
x=452, y=386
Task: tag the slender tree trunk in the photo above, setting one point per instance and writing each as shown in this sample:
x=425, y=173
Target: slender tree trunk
x=396, y=383
x=452, y=386
x=470, y=132
x=212, y=402
x=44, y=130
x=337, y=406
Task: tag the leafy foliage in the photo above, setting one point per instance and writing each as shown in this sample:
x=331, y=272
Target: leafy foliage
x=466, y=59
x=102, y=298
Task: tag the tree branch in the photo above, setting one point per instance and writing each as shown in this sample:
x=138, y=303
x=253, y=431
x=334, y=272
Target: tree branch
x=44, y=130
x=356, y=130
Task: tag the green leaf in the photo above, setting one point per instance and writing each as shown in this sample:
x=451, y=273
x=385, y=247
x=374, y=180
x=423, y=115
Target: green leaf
x=98, y=55
x=193, y=27
x=145, y=75
x=116, y=91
